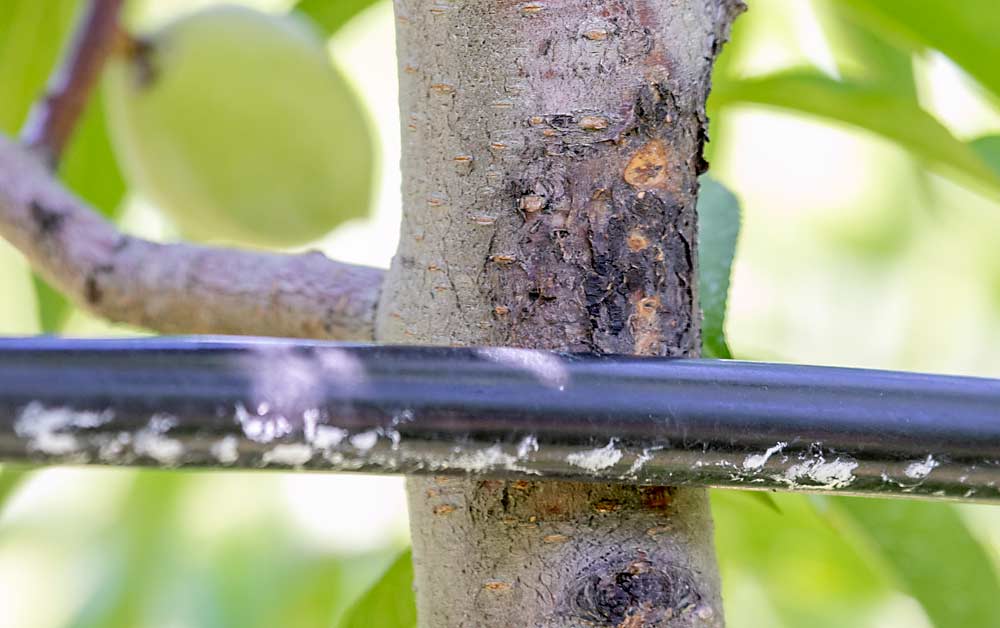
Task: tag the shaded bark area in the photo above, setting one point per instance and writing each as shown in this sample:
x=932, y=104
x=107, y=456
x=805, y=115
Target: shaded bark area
x=550, y=163
x=605, y=263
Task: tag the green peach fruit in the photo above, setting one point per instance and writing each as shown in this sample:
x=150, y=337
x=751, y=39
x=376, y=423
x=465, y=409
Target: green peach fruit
x=236, y=124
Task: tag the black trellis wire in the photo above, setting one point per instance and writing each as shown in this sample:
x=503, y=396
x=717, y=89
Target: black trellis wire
x=252, y=403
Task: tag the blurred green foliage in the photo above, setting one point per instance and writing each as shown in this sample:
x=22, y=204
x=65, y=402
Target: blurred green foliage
x=132, y=550
x=927, y=551
x=870, y=106
x=863, y=54
x=805, y=571
x=330, y=15
x=988, y=148
x=389, y=602
x=31, y=36
x=143, y=568
x=966, y=31
x=11, y=478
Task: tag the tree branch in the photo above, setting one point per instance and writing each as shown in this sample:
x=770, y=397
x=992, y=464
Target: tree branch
x=176, y=288
x=51, y=121
x=172, y=288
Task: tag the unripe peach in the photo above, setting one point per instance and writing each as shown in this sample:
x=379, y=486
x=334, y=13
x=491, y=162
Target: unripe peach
x=236, y=124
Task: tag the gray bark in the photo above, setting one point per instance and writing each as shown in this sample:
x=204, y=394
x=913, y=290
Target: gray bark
x=550, y=159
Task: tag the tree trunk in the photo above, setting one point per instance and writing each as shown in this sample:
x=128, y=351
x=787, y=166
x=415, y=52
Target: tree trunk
x=550, y=159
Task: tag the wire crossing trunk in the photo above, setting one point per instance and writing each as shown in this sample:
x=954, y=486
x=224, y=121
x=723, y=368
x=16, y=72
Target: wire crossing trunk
x=551, y=151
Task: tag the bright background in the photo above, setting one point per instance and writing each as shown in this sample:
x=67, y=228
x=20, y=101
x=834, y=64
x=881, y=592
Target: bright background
x=856, y=250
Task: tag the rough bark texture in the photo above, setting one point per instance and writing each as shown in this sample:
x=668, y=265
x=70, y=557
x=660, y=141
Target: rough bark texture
x=550, y=162
x=176, y=288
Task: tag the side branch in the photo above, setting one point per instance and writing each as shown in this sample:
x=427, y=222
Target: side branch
x=176, y=288
x=53, y=118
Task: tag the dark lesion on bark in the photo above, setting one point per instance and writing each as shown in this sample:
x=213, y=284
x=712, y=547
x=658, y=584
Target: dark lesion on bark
x=92, y=290
x=47, y=220
x=604, y=231
x=632, y=593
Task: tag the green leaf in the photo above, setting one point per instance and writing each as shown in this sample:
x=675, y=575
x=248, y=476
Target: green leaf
x=330, y=15
x=53, y=308
x=718, y=230
x=988, y=148
x=11, y=478
x=930, y=553
x=31, y=36
x=390, y=602
x=869, y=107
x=968, y=31
x=763, y=498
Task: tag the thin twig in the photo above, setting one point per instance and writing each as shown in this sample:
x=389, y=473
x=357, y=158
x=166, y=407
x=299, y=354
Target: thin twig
x=53, y=118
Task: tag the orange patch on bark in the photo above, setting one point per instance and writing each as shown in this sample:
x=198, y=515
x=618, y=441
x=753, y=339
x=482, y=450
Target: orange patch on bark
x=646, y=325
x=605, y=506
x=648, y=167
x=497, y=586
x=656, y=497
x=637, y=241
x=443, y=509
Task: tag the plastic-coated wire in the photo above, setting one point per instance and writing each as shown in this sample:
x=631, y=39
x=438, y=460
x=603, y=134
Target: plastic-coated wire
x=252, y=403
